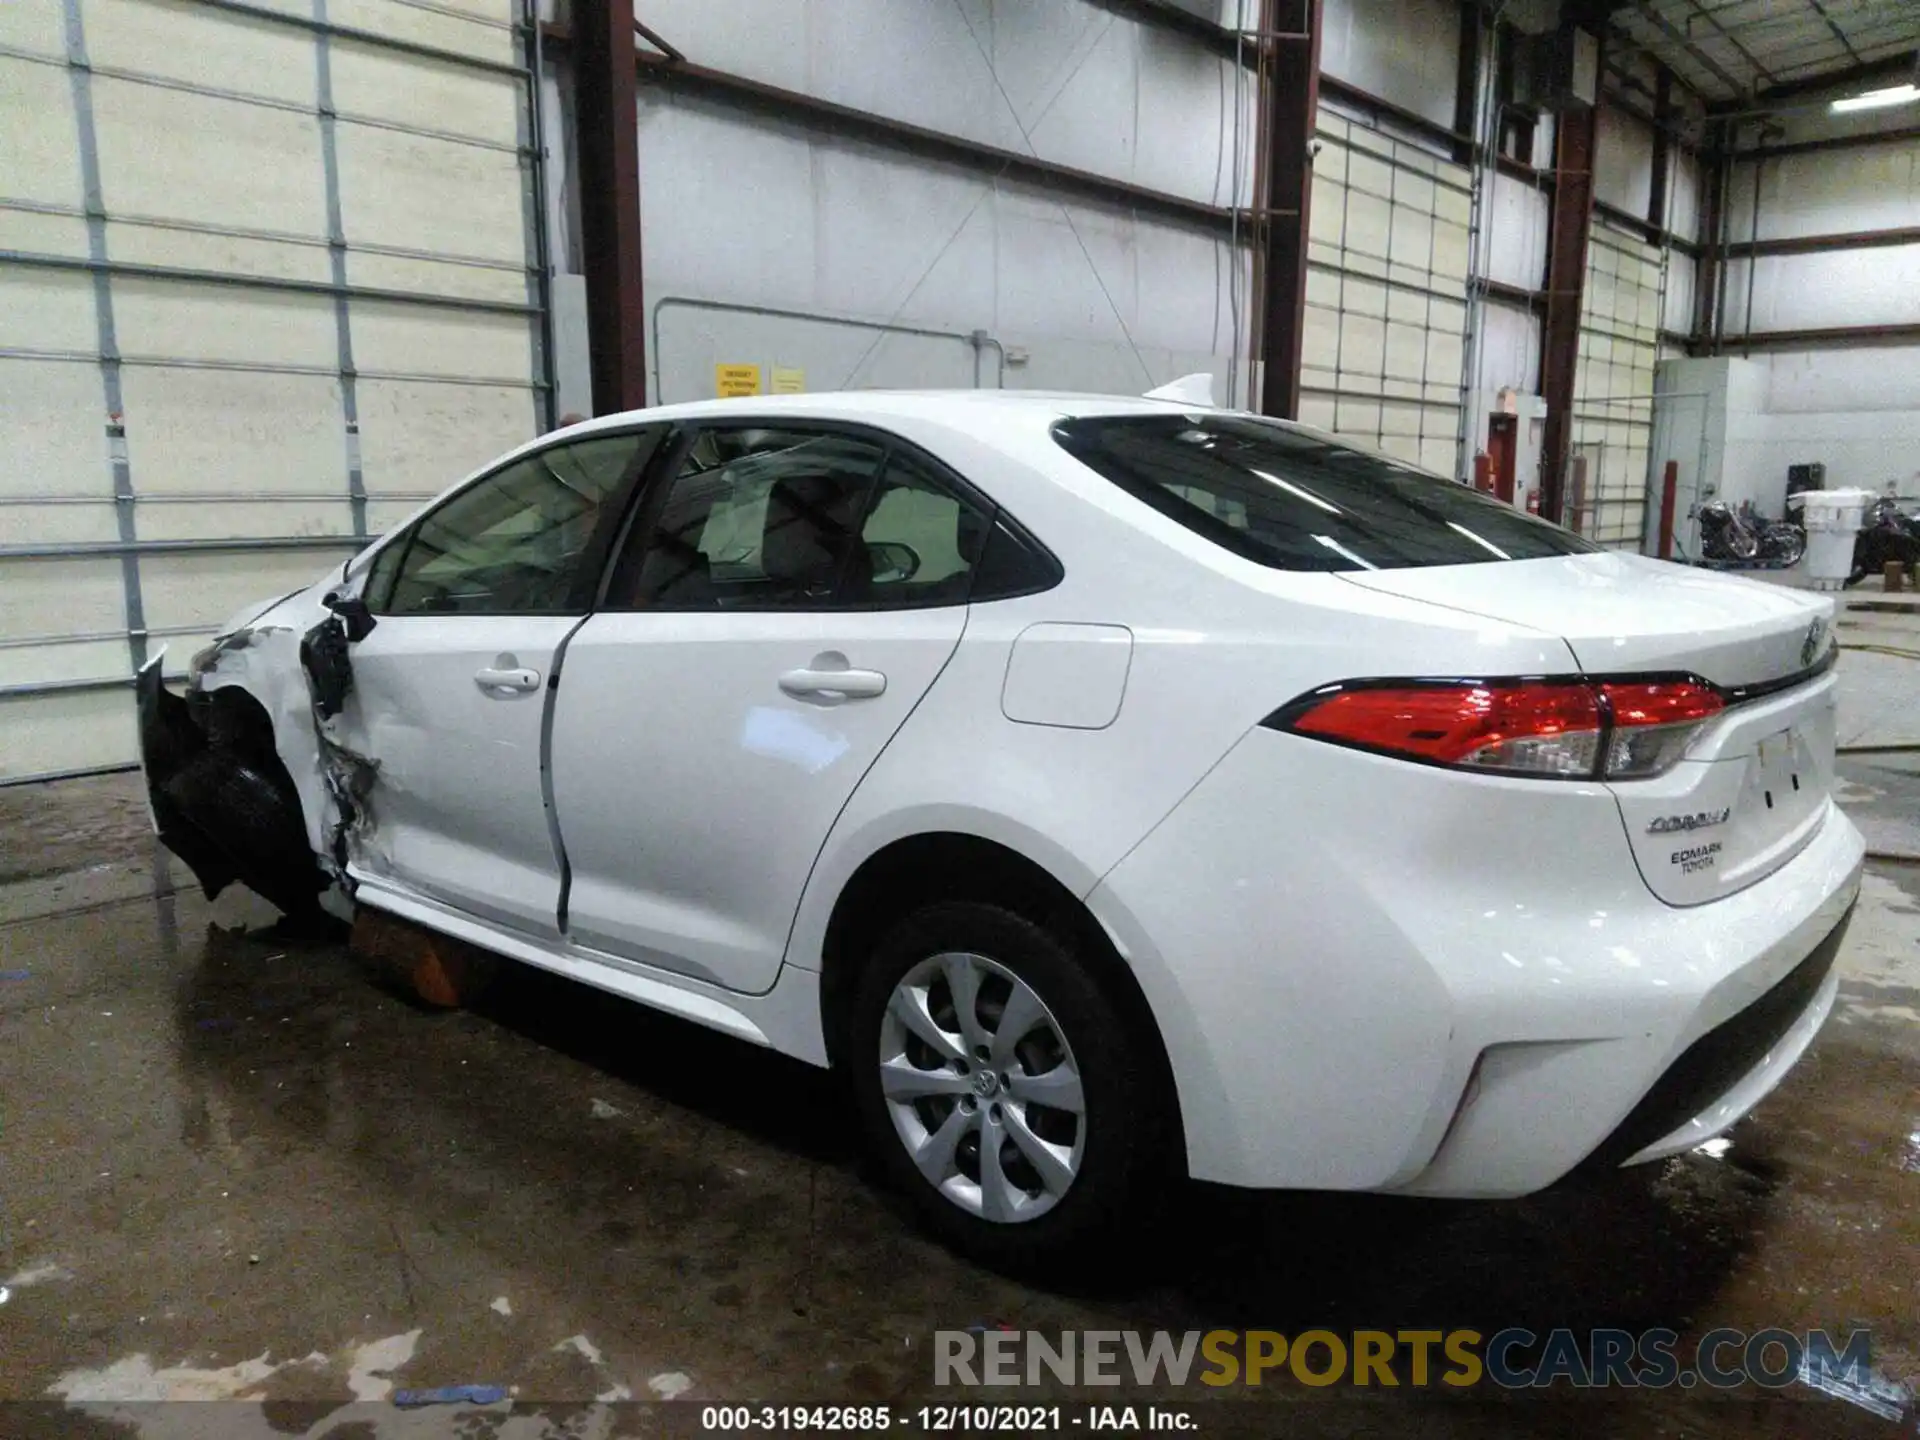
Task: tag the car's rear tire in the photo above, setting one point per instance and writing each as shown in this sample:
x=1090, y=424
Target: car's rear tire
x=1003, y=1091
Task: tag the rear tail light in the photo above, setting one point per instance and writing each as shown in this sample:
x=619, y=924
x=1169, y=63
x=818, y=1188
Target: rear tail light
x=1575, y=730
x=1651, y=726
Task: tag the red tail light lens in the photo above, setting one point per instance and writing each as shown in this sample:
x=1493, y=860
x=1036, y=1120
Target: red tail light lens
x=1557, y=729
x=1535, y=729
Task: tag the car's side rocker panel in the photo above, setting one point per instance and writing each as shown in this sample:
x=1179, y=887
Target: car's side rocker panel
x=786, y=1018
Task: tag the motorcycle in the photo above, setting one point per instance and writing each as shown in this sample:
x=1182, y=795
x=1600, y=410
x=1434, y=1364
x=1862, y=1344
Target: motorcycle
x=1887, y=534
x=1742, y=538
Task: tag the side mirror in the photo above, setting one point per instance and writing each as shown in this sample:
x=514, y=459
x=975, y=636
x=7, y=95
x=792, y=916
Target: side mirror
x=893, y=561
x=354, y=615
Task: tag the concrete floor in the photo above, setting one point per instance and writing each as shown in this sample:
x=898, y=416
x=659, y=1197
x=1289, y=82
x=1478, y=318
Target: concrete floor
x=233, y=1166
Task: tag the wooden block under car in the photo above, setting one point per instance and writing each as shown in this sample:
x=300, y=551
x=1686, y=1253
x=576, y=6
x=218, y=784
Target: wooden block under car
x=441, y=971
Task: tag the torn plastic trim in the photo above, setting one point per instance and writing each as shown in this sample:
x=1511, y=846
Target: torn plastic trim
x=323, y=652
x=169, y=741
x=221, y=798
x=267, y=660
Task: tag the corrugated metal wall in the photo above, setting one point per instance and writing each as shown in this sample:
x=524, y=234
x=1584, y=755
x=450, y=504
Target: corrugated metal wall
x=267, y=279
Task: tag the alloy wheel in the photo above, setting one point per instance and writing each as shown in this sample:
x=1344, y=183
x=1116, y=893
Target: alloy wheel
x=982, y=1087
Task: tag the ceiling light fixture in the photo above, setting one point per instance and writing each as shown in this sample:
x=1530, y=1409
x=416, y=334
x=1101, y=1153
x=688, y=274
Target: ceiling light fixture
x=1877, y=99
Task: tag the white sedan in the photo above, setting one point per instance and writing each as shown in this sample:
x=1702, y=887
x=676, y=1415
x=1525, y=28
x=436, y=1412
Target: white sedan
x=1112, y=788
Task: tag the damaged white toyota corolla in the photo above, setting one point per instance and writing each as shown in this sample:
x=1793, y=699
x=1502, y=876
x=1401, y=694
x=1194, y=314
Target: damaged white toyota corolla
x=1109, y=787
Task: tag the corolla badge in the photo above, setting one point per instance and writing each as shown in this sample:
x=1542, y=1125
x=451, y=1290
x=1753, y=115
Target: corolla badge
x=1816, y=640
x=1700, y=820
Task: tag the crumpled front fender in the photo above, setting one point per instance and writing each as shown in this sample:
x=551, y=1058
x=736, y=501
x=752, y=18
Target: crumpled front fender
x=221, y=799
x=169, y=744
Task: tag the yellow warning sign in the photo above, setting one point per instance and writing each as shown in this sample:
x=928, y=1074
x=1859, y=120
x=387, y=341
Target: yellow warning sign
x=731, y=380
x=789, y=380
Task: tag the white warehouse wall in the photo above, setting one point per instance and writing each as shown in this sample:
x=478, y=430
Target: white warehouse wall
x=1091, y=88
x=853, y=243
x=745, y=211
x=1857, y=409
x=1623, y=162
x=1516, y=220
x=1401, y=50
x=785, y=245
x=1509, y=355
x=742, y=210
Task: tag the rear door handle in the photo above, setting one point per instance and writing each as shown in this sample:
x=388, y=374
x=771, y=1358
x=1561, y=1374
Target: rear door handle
x=519, y=681
x=833, y=686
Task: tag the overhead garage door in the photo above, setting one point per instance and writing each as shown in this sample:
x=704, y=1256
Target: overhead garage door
x=1613, y=383
x=1386, y=293
x=269, y=276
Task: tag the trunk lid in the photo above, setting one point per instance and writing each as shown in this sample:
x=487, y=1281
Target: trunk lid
x=1627, y=614
x=1755, y=786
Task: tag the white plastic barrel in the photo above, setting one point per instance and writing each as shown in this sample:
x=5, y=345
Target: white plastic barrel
x=1829, y=558
x=1833, y=510
x=1833, y=519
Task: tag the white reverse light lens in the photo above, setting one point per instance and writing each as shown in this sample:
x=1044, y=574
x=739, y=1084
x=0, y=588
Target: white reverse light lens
x=1569, y=755
x=1648, y=750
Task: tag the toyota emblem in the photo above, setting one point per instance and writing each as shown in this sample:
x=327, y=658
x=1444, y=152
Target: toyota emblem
x=1810, y=647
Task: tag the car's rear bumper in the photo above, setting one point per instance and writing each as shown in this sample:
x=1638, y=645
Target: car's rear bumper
x=1376, y=975
x=1730, y=1069
x=1715, y=1080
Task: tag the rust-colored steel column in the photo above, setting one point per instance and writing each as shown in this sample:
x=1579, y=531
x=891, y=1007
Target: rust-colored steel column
x=1657, y=181
x=1466, y=85
x=607, y=122
x=1669, y=488
x=1292, y=31
x=1566, y=282
x=1713, y=241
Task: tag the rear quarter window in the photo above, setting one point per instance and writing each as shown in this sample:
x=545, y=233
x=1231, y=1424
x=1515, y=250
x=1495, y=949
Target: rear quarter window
x=1295, y=501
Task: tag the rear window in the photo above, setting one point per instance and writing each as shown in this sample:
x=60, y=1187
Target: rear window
x=1297, y=502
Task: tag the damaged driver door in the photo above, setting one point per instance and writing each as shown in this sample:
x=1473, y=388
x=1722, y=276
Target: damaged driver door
x=450, y=688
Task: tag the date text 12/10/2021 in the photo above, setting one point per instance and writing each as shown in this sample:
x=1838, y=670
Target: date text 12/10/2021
x=942, y=1419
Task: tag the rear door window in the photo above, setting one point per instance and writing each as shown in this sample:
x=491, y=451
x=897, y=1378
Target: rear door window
x=1295, y=501
x=814, y=519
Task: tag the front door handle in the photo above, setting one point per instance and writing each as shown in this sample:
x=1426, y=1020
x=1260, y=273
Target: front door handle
x=831, y=686
x=520, y=681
